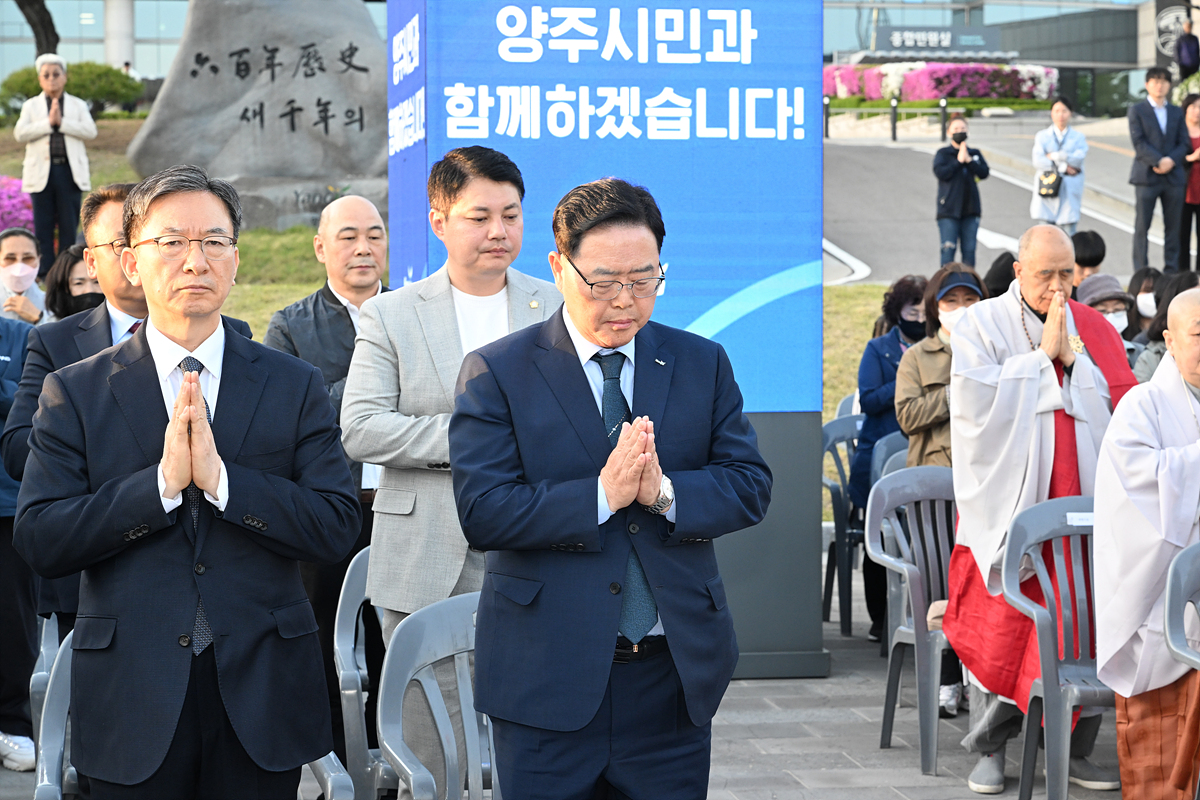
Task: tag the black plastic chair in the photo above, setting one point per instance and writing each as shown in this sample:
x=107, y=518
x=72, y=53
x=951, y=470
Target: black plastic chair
x=840, y=436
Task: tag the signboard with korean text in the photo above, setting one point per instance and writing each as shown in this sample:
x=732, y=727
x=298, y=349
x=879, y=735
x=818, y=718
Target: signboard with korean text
x=714, y=106
x=937, y=38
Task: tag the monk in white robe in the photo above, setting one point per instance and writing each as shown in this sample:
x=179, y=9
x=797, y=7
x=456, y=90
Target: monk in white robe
x=1147, y=510
x=1034, y=379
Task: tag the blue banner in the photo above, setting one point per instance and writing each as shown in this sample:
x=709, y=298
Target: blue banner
x=716, y=109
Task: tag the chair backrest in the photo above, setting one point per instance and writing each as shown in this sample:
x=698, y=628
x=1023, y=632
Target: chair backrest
x=896, y=462
x=352, y=673
x=1062, y=530
x=845, y=406
x=443, y=630
x=925, y=540
x=52, y=737
x=839, y=438
x=885, y=448
x=1183, y=587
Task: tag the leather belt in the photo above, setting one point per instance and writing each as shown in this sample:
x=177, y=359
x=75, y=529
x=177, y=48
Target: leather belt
x=58, y=162
x=366, y=496
x=648, y=647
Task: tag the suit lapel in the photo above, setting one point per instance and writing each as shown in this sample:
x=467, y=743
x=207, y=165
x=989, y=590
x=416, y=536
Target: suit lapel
x=526, y=306
x=241, y=387
x=559, y=365
x=653, y=367
x=134, y=384
x=439, y=325
x=95, y=332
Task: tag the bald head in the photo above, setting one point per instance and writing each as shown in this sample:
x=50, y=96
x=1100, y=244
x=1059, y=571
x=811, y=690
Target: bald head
x=1045, y=265
x=1182, y=335
x=352, y=244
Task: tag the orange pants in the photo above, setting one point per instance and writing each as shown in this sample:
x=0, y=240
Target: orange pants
x=1158, y=735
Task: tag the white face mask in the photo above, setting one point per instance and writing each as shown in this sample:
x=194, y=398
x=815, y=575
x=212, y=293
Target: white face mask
x=1119, y=320
x=1145, y=304
x=948, y=319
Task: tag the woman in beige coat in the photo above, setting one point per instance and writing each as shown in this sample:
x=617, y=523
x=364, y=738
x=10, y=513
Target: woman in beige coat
x=923, y=403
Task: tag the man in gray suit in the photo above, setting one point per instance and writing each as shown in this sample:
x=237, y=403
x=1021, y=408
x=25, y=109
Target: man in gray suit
x=400, y=389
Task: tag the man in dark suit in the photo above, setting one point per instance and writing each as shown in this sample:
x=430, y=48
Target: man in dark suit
x=351, y=242
x=56, y=344
x=602, y=592
x=186, y=472
x=1160, y=141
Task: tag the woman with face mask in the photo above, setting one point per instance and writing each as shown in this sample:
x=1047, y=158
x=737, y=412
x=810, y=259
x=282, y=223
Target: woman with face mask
x=1156, y=348
x=69, y=288
x=1061, y=149
x=19, y=293
x=958, y=168
x=904, y=312
x=923, y=402
x=1104, y=294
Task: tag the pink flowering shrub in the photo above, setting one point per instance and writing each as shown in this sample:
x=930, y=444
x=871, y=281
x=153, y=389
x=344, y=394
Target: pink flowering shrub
x=933, y=81
x=16, y=208
x=828, y=84
x=872, y=80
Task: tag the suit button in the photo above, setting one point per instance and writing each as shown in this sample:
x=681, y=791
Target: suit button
x=633, y=527
x=615, y=588
x=199, y=569
x=248, y=520
x=185, y=641
x=144, y=529
x=579, y=546
x=262, y=526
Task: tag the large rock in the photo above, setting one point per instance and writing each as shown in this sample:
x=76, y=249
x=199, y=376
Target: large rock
x=272, y=89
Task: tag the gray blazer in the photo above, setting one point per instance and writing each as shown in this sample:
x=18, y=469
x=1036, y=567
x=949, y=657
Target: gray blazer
x=396, y=412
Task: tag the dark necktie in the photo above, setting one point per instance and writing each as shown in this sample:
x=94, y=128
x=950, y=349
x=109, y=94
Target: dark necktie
x=639, y=613
x=201, y=632
x=134, y=329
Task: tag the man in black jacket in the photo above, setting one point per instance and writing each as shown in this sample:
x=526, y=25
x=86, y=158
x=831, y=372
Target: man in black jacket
x=957, y=168
x=352, y=244
x=1160, y=141
x=57, y=344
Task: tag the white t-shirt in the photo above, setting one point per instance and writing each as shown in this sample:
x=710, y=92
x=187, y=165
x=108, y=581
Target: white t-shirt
x=481, y=320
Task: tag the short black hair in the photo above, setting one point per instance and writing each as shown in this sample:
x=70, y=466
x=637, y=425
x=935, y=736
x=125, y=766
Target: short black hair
x=1172, y=286
x=600, y=204
x=1160, y=73
x=1001, y=274
x=909, y=289
x=1187, y=101
x=8, y=233
x=456, y=169
x=179, y=179
x=1065, y=101
x=1089, y=248
x=98, y=198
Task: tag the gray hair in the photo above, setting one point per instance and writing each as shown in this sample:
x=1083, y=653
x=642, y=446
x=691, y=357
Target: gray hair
x=179, y=179
x=49, y=58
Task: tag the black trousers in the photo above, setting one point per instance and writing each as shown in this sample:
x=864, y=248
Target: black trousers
x=1172, y=210
x=205, y=760
x=56, y=208
x=18, y=635
x=323, y=582
x=1190, y=210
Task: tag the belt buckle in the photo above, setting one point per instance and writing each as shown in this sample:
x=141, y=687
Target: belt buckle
x=623, y=655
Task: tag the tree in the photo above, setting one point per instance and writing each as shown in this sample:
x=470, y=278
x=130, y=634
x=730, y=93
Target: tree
x=45, y=35
x=97, y=84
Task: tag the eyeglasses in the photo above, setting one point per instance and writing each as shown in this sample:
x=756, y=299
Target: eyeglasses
x=173, y=247
x=118, y=245
x=608, y=290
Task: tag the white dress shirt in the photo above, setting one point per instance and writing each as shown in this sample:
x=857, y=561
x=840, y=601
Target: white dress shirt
x=1160, y=112
x=370, y=472
x=167, y=355
x=119, y=324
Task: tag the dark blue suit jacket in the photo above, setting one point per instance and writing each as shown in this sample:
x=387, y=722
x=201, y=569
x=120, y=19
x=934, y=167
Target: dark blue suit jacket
x=51, y=347
x=1150, y=144
x=527, y=444
x=90, y=502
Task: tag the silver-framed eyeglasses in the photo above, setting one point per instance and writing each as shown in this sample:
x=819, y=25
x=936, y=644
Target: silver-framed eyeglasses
x=174, y=247
x=607, y=290
x=118, y=245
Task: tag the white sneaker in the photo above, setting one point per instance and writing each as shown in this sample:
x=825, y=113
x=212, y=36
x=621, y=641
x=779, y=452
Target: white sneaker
x=948, y=697
x=17, y=752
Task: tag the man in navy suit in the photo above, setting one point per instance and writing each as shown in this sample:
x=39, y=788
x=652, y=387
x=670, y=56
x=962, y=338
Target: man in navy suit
x=56, y=344
x=1160, y=141
x=603, y=643
x=186, y=472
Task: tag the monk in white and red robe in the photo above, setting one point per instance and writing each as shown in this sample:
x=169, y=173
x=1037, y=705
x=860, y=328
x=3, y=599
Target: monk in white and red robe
x=1034, y=379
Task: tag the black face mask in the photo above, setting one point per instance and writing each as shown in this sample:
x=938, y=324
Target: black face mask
x=959, y=137
x=83, y=302
x=913, y=331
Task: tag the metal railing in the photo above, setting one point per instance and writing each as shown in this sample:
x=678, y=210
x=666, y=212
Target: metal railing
x=942, y=111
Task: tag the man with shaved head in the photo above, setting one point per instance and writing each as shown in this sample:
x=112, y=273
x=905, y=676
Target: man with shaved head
x=1033, y=384
x=1147, y=507
x=352, y=244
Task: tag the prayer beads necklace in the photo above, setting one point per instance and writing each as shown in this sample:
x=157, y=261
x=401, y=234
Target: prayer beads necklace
x=1021, y=310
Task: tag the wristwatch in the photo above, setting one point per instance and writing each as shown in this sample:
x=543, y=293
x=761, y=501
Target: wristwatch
x=666, y=496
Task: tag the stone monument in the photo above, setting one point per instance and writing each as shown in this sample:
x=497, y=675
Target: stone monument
x=287, y=99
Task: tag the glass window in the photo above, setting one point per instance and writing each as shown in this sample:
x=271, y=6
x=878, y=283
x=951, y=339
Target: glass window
x=159, y=19
x=378, y=13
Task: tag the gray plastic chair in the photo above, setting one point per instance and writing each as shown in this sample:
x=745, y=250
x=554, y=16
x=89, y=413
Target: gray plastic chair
x=846, y=405
x=840, y=437
x=443, y=630
x=372, y=776
x=1071, y=680
x=897, y=462
x=40, y=679
x=884, y=449
x=1183, y=587
x=920, y=550
x=56, y=779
